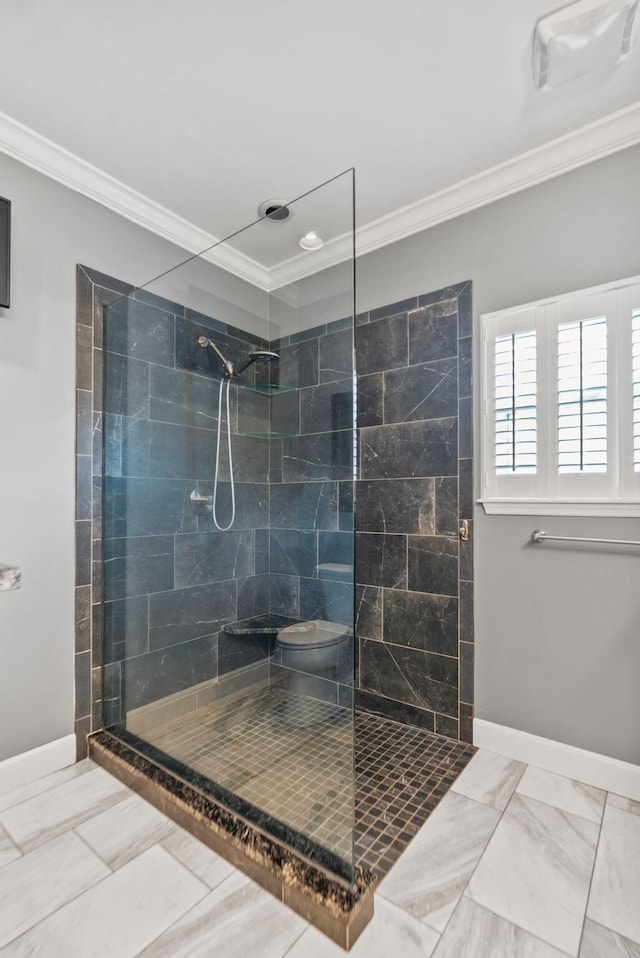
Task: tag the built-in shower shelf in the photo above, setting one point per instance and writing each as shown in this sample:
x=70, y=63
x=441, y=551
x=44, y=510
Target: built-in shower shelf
x=268, y=389
x=268, y=434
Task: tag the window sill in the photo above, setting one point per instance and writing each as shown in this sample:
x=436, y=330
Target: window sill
x=620, y=508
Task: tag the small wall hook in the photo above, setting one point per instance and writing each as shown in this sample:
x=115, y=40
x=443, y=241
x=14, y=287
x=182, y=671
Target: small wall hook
x=464, y=530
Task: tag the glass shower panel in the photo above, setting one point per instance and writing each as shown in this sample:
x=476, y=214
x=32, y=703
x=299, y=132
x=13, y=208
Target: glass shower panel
x=228, y=524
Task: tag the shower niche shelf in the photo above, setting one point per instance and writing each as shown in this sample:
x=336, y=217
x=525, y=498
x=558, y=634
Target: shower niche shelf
x=267, y=434
x=268, y=389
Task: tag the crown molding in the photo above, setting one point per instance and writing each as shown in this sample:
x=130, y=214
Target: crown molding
x=579, y=148
x=45, y=156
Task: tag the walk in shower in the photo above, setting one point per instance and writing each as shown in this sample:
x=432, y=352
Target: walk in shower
x=228, y=526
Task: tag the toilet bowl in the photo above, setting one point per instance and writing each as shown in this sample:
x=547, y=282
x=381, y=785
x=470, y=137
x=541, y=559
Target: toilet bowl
x=315, y=647
x=318, y=646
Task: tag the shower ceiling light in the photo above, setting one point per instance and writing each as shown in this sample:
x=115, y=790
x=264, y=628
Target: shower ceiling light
x=311, y=240
x=581, y=37
x=276, y=211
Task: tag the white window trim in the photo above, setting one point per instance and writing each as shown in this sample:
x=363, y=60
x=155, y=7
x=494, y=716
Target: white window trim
x=618, y=492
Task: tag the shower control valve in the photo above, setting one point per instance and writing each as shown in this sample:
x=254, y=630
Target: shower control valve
x=201, y=504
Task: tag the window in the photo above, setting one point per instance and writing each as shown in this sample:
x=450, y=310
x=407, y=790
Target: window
x=582, y=396
x=561, y=411
x=515, y=392
x=635, y=353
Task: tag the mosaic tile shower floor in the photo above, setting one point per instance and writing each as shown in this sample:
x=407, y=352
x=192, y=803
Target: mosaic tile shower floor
x=292, y=757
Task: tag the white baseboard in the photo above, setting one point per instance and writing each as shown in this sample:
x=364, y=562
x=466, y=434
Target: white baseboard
x=611, y=774
x=29, y=766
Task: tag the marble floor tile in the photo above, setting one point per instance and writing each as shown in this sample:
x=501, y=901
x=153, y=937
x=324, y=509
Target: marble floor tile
x=125, y=830
x=489, y=778
x=431, y=875
x=8, y=851
x=117, y=917
x=237, y=919
x=536, y=870
x=391, y=932
x=564, y=793
x=474, y=932
x=599, y=942
x=615, y=890
x=626, y=804
x=41, y=818
x=194, y=855
x=44, y=784
x=35, y=885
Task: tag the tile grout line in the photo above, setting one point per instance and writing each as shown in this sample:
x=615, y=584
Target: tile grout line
x=614, y=932
x=294, y=943
x=564, y=811
x=481, y=856
x=593, y=868
x=44, y=791
x=189, y=910
x=515, y=924
x=87, y=845
x=82, y=892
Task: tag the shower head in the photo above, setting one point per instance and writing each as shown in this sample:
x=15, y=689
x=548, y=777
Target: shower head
x=229, y=369
x=256, y=355
x=267, y=354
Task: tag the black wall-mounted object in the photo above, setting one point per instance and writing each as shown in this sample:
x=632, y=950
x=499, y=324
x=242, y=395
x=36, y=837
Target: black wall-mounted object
x=5, y=250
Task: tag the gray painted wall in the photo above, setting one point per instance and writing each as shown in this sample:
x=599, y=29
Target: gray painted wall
x=53, y=229
x=557, y=629
x=558, y=652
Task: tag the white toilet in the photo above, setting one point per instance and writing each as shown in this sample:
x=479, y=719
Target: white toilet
x=319, y=647
x=315, y=646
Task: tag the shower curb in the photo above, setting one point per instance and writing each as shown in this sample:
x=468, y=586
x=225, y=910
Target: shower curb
x=338, y=911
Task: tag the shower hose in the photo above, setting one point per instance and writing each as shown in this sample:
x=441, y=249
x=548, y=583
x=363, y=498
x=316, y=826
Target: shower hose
x=223, y=382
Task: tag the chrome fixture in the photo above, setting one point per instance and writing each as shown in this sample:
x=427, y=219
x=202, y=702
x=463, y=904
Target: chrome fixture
x=203, y=504
x=539, y=535
x=230, y=372
x=258, y=355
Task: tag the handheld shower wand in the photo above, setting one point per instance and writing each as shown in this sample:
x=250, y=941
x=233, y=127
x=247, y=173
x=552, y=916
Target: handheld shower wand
x=229, y=369
x=230, y=372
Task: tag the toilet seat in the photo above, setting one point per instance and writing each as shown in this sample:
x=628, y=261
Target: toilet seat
x=313, y=635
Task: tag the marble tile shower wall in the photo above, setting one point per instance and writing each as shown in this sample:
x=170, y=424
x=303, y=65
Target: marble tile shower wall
x=414, y=597
x=169, y=578
x=414, y=592
x=311, y=486
x=312, y=475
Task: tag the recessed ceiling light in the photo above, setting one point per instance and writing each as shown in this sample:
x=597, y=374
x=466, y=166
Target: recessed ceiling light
x=311, y=240
x=275, y=210
x=583, y=36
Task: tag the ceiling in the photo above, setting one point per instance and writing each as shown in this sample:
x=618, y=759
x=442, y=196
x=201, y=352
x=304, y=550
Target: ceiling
x=207, y=108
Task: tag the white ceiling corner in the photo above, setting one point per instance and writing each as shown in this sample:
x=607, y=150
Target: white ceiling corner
x=47, y=157
x=583, y=146
x=578, y=148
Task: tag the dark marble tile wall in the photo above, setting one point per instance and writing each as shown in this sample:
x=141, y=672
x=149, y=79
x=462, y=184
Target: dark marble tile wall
x=172, y=580
x=312, y=474
x=169, y=579
x=414, y=591
x=93, y=291
x=312, y=422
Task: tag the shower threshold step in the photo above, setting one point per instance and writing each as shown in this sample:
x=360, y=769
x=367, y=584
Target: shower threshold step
x=339, y=911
